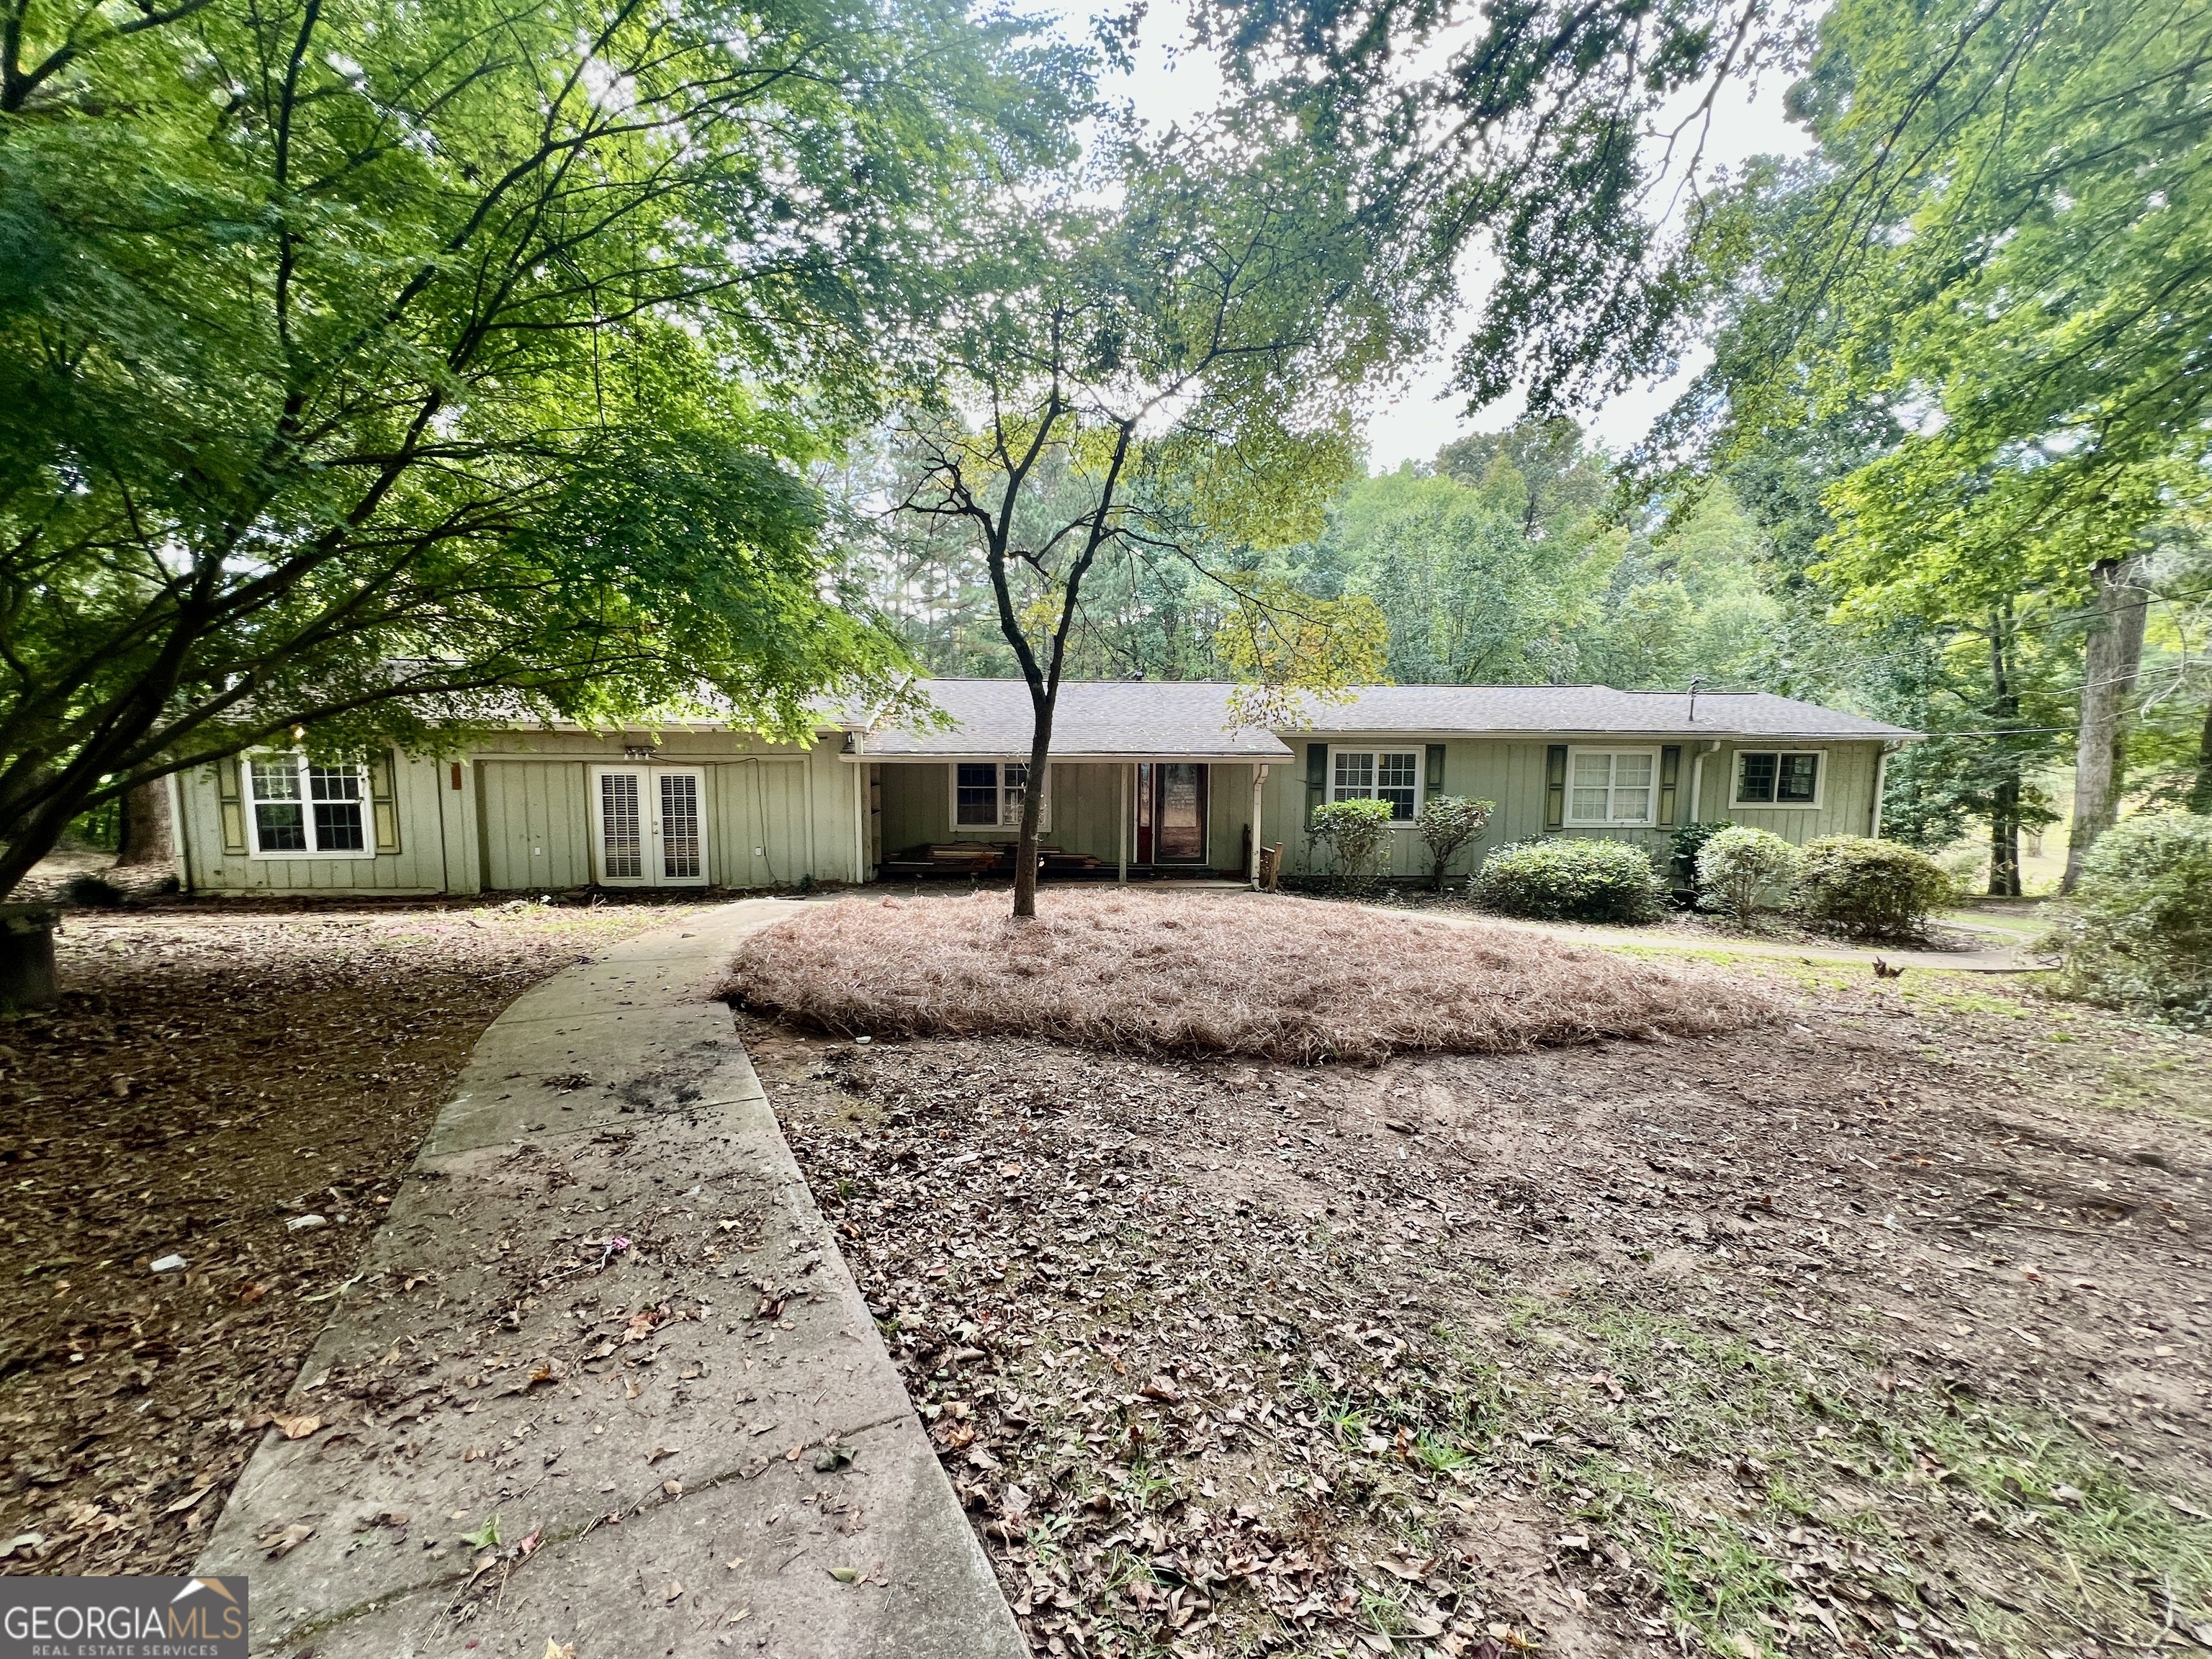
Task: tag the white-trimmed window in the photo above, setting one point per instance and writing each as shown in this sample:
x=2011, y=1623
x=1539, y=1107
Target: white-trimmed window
x=1391, y=774
x=1611, y=785
x=1779, y=778
x=988, y=795
x=298, y=808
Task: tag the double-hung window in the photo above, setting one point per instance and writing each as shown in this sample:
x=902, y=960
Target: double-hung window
x=1610, y=785
x=988, y=795
x=304, y=809
x=1778, y=778
x=1391, y=774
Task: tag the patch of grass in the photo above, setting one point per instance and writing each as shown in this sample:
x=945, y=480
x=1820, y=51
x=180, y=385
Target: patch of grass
x=1816, y=1470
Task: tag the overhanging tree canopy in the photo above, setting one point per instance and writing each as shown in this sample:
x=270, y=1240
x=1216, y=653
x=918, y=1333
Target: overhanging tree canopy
x=360, y=356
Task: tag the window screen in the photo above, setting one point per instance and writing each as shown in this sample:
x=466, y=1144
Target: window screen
x=978, y=793
x=1777, y=780
x=1610, y=787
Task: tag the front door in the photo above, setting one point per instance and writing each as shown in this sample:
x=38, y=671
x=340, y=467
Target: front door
x=1171, y=812
x=650, y=825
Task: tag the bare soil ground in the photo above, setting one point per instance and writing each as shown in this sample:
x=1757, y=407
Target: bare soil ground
x=1878, y=1329
x=216, y=1070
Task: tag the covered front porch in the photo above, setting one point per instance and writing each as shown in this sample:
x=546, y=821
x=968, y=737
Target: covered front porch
x=1151, y=817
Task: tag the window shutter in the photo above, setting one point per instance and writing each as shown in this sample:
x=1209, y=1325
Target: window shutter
x=1432, y=780
x=1555, y=786
x=1670, y=773
x=382, y=806
x=1316, y=778
x=232, y=807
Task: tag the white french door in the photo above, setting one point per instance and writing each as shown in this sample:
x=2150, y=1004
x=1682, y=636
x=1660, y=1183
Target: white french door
x=649, y=823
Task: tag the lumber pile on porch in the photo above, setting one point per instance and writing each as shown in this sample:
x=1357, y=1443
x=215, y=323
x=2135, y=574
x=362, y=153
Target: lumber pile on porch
x=984, y=858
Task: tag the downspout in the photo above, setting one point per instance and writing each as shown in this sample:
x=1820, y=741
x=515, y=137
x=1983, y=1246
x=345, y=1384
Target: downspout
x=1880, y=788
x=1712, y=745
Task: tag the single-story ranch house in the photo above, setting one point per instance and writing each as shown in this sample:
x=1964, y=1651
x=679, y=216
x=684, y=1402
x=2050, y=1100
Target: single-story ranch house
x=1146, y=777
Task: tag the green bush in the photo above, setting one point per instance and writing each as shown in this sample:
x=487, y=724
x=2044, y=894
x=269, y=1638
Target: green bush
x=1688, y=841
x=1357, y=834
x=2140, y=932
x=1869, y=888
x=1571, y=880
x=1447, y=822
x=1740, y=866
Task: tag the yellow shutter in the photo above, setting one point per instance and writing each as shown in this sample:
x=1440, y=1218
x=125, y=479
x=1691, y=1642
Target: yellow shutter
x=383, y=808
x=232, y=808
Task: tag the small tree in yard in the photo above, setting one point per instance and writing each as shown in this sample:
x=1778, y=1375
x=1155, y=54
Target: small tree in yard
x=1170, y=378
x=1356, y=833
x=1447, y=822
x=1738, y=865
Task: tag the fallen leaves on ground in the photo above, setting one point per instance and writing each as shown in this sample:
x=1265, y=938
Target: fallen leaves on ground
x=283, y=1061
x=1619, y=1347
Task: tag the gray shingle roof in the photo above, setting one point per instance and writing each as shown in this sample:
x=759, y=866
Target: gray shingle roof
x=1105, y=719
x=1136, y=718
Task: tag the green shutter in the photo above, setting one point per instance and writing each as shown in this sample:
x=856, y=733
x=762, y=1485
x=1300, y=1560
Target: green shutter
x=232, y=808
x=1670, y=773
x=383, y=808
x=1433, y=774
x=1555, y=786
x=1316, y=778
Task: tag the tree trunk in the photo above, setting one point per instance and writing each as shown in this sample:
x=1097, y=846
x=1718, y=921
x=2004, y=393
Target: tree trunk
x=2108, y=677
x=2200, y=792
x=2004, y=806
x=1025, y=846
x=146, y=835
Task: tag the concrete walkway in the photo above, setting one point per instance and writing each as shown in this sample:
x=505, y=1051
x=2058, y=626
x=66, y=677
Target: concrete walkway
x=2002, y=960
x=604, y=1380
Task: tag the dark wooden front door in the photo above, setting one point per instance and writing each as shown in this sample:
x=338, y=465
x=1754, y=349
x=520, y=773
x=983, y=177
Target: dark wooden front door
x=1171, y=812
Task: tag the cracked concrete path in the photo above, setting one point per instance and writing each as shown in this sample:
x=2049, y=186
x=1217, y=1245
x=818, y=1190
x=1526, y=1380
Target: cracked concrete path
x=604, y=1380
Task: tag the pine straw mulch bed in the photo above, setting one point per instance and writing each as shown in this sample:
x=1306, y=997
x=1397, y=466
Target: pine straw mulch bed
x=215, y=1069
x=1882, y=1330
x=1273, y=977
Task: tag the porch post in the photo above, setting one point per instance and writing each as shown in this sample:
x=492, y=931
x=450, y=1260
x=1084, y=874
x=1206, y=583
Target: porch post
x=1258, y=777
x=1121, y=871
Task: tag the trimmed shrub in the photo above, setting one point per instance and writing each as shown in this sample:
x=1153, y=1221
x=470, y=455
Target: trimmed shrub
x=1869, y=888
x=1739, y=865
x=1447, y=822
x=2140, y=933
x=1356, y=833
x=1688, y=841
x=1571, y=880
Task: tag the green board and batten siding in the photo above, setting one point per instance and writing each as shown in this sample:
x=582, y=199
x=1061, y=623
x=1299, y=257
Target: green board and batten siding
x=1513, y=773
x=521, y=819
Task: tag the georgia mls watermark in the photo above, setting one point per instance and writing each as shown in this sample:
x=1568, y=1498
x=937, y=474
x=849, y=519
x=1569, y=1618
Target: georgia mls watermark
x=122, y=1619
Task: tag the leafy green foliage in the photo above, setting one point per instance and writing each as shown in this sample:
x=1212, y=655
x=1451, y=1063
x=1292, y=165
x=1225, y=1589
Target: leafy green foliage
x=1167, y=378
x=1447, y=822
x=2140, y=934
x=1356, y=836
x=1869, y=888
x=1571, y=879
x=377, y=371
x=1741, y=864
x=1688, y=841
